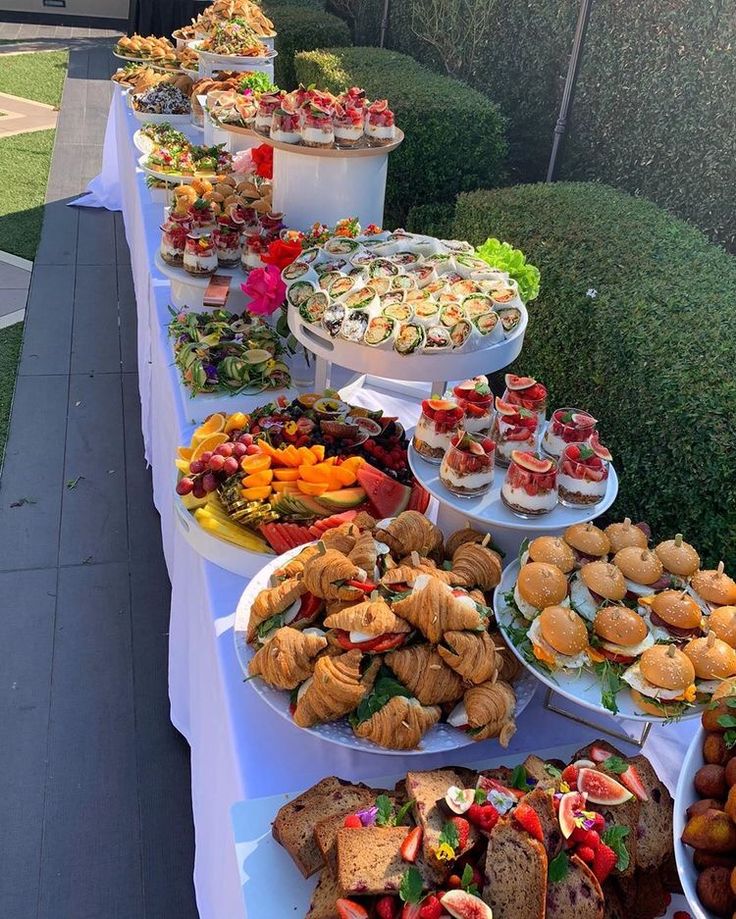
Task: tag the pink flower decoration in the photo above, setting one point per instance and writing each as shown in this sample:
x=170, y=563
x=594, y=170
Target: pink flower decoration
x=266, y=290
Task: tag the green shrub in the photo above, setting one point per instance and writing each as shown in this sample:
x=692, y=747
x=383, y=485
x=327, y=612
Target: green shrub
x=636, y=322
x=300, y=28
x=432, y=219
x=363, y=17
x=454, y=135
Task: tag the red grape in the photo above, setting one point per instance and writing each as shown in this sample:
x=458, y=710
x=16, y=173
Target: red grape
x=196, y=467
x=217, y=463
x=239, y=449
x=225, y=449
x=185, y=486
x=198, y=489
x=209, y=482
x=252, y=449
x=205, y=457
x=231, y=466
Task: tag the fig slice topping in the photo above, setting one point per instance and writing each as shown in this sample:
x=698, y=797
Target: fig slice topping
x=532, y=462
x=516, y=383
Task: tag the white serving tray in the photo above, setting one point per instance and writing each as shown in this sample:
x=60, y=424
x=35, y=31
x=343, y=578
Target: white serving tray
x=153, y=118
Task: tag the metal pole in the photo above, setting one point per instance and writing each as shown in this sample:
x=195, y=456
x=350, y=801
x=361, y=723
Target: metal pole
x=572, y=74
x=384, y=23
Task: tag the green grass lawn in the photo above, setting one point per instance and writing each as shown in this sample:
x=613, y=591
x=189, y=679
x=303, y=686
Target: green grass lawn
x=38, y=76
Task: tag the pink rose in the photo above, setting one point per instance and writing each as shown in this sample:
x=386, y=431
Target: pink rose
x=266, y=290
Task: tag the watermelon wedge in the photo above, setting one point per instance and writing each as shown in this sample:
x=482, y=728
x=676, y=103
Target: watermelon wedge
x=386, y=496
x=336, y=520
x=419, y=500
x=284, y=536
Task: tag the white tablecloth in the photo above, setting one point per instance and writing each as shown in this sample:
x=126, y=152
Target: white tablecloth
x=239, y=747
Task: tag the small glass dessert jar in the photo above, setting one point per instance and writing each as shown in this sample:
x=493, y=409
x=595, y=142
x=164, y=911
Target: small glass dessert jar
x=286, y=126
x=173, y=239
x=567, y=426
x=267, y=105
x=514, y=428
x=317, y=128
x=530, y=486
x=467, y=466
x=380, y=127
x=202, y=217
x=227, y=243
x=200, y=255
x=583, y=475
x=439, y=421
x=476, y=399
x=528, y=393
x=348, y=126
x=253, y=247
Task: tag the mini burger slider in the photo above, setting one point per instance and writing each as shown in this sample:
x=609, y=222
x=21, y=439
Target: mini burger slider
x=722, y=621
x=625, y=534
x=539, y=585
x=559, y=638
x=662, y=675
x=588, y=541
x=553, y=550
x=595, y=583
x=673, y=614
x=678, y=557
x=623, y=634
x=713, y=588
x=713, y=660
x=642, y=569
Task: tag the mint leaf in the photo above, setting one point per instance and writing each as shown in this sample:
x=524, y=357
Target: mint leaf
x=615, y=838
x=450, y=835
x=466, y=881
x=552, y=771
x=518, y=778
x=730, y=739
x=403, y=811
x=615, y=764
x=385, y=811
x=480, y=796
x=410, y=888
x=558, y=868
x=727, y=721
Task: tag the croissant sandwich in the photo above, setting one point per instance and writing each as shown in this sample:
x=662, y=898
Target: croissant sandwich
x=342, y=538
x=477, y=566
x=425, y=675
x=471, y=655
x=460, y=537
x=367, y=622
x=287, y=659
x=400, y=724
x=411, y=532
x=364, y=553
x=271, y=601
x=428, y=566
x=432, y=608
x=327, y=576
x=506, y=661
x=490, y=709
x=335, y=689
x=295, y=566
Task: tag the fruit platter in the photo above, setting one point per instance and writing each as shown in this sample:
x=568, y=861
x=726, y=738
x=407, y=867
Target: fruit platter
x=497, y=459
x=378, y=637
x=705, y=811
x=509, y=837
x=618, y=626
x=279, y=477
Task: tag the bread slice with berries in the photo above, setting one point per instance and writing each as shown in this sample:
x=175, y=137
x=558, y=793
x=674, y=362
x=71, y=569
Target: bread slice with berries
x=295, y=822
x=516, y=870
x=325, y=832
x=577, y=895
x=325, y=895
x=369, y=860
x=654, y=829
x=537, y=770
x=541, y=802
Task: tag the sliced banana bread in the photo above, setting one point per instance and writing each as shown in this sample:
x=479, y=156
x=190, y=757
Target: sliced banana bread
x=516, y=869
x=326, y=830
x=536, y=769
x=654, y=830
x=325, y=895
x=577, y=896
x=541, y=802
x=369, y=860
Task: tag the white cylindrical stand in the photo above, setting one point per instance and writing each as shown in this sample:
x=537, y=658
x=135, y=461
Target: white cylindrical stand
x=188, y=290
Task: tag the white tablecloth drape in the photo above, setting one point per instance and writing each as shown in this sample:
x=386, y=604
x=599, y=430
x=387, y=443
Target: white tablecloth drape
x=239, y=747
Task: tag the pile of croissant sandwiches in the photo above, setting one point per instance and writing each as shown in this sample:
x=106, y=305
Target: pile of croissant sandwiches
x=389, y=625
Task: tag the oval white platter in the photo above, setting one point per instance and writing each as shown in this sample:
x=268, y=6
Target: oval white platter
x=224, y=59
x=155, y=118
x=439, y=738
x=171, y=176
x=582, y=687
x=685, y=795
x=489, y=509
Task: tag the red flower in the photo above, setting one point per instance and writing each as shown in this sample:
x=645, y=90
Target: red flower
x=263, y=158
x=266, y=290
x=282, y=253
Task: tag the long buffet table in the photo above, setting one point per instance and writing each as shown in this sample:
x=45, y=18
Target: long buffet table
x=240, y=748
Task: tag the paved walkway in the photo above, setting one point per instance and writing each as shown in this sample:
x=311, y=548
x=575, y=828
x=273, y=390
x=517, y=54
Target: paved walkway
x=21, y=116
x=95, y=805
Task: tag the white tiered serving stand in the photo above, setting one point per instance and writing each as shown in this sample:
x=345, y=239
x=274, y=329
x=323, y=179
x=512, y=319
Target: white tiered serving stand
x=209, y=63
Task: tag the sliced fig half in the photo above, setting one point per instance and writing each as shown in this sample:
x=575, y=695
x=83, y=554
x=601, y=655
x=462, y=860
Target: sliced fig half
x=517, y=383
x=602, y=788
x=570, y=806
x=463, y=905
x=532, y=462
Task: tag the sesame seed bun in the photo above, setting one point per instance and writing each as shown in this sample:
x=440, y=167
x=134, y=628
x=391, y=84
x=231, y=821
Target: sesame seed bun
x=715, y=586
x=554, y=551
x=712, y=658
x=676, y=608
x=650, y=707
x=639, y=565
x=722, y=621
x=678, y=557
x=604, y=579
x=563, y=629
x=624, y=534
x=620, y=626
x=666, y=667
x=588, y=539
x=541, y=584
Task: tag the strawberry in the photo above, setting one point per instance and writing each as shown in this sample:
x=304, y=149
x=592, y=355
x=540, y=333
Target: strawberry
x=349, y=909
x=463, y=831
x=589, y=839
x=573, y=452
x=586, y=854
x=528, y=820
x=599, y=822
x=410, y=911
x=410, y=846
x=681, y=914
x=599, y=754
x=388, y=908
x=604, y=862
x=570, y=775
x=632, y=780
x=431, y=908
x=353, y=822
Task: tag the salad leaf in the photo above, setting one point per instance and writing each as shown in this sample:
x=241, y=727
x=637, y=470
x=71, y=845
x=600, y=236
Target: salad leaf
x=411, y=886
x=504, y=256
x=519, y=778
x=384, y=689
x=615, y=838
x=559, y=866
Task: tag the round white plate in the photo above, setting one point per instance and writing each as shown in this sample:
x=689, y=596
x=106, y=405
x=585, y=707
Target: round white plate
x=489, y=509
x=147, y=62
x=155, y=118
x=439, y=738
x=685, y=795
x=169, y=176
x=582, y=688
x=223, y=60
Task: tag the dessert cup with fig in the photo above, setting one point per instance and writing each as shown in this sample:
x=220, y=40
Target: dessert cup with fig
x=476, y=399
x=467, y=466
x=439, y=421
x=514, y=428
x=527, y=393
x=584, y=471
x=530, y=486
x=567, y=426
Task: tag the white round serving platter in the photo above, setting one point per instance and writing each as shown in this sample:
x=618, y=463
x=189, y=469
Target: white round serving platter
x=171, y=176
x=685, y=795
x=222, y=60
x=155, y=118
x=583, y=687
x=489, y=509
x=147, y=61
x=336, y=152
x=439, y=738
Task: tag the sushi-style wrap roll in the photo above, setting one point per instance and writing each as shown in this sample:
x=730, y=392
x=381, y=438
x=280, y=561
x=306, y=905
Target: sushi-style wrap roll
x=299, y=292
x=405, y=258
x=362, y=259
x=328, y=278
x=299, y=270
x=380, y=331
x=465, y=286
x=466, y=264
x=505, y=294
x=310, y=256
x=460, y=333
x=451, y=314
x=409, y=338
x=458, y=246
x=442, y=262
x=427, y=312
x=329, y=264
x=380, y=285
x=401, y=312
x=354, y=325
x=402, y=282
x=490, y=275
x=382, y=268
x=313, y=308
x=332, y=318
x=476, y=305
x=358, y=273
x=489, y=326
x=391, y=297
x=438, y=339
x=362, y=299
x=341, y=285
x=435, y=287
x=416, y=296
x=422, y=274
x=341, y=246
x=510, y=319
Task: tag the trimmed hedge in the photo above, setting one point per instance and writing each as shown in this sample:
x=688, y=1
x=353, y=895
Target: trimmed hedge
x=636, y=322
x=432, y=219
x=454, y=135
x=301, y=28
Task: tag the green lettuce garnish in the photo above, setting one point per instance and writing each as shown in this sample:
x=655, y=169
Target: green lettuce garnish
x=504, y=256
